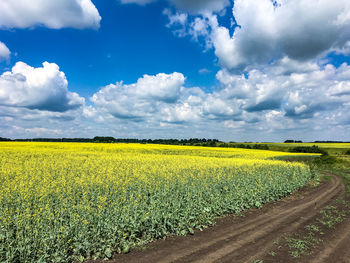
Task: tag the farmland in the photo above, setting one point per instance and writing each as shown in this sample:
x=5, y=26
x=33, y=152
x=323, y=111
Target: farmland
x=331, y=148
x=63, y=202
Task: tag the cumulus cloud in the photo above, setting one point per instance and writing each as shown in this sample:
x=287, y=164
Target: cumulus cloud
x=259, y=105
x=270, y=31
x=260, y=91
x=266, y=30
x=279, y=46
x=142, y=98
x=340, y=89
x=52, y=14
x=43, y=88
x=4, y=52
x=218, y=107
x=263, y=95
x=163, y=98
x=297, y=95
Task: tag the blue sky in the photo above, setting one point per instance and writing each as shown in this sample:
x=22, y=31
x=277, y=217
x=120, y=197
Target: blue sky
x=123, y=48
x=233, y=70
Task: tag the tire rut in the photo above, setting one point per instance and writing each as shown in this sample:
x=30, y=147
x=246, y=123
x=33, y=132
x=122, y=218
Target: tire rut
x=233, y=250
x=287, y=225
x=242, y=240
x=337, y=250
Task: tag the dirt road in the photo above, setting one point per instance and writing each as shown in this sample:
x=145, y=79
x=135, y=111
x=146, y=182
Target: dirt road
x=253, y=237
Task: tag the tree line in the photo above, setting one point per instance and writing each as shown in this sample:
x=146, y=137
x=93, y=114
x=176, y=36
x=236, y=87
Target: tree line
x=296, y=141
x=108, y=139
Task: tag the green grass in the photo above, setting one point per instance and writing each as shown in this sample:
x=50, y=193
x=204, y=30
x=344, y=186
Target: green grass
x=331, y=216
x=302, y=246
x=340, y=166
x=272, y=253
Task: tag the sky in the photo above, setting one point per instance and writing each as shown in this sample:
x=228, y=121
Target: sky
x=242, y=70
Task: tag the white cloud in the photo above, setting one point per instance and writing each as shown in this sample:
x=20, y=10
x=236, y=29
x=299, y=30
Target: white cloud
x=204, y=71
x=176, y=18
x=183, y=25
x=38, y=131
x=264, y=104
x=52, y=14
x=280, y=48
x=139, y=2
x=142, y=98
x=340, y=89
x=179, y=113
x=162, y=98
x=268, y=32
x=216, y=106
x=266, y=99
x=287, y=66
x=177, y=22
x=4, y=52
x=200, y=6
x=301, y=94
x=345, y=49
x=191, y=6
x=43, y=88
x=198, y=28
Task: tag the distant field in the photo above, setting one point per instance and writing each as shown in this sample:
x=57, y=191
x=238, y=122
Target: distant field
x=332, y=148
x=63, y=202
x=321, y=145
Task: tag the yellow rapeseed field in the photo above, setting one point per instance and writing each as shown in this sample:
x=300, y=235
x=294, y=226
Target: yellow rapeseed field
x=66, y=202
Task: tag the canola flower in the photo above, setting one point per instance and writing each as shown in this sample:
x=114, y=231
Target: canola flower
x=66, y=202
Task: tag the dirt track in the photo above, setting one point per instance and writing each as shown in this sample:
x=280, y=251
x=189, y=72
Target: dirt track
x=252, y=237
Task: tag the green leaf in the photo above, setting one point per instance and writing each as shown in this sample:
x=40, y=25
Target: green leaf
x=126, y=249
x=108, y=252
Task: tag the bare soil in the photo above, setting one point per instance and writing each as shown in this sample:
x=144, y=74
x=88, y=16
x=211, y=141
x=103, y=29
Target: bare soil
x=259, y=235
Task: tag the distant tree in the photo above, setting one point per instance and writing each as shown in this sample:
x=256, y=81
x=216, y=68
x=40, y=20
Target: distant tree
x=104, y=139
x=260, y=147
x=108, y=139
x=308, y=149
x=292, y=141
